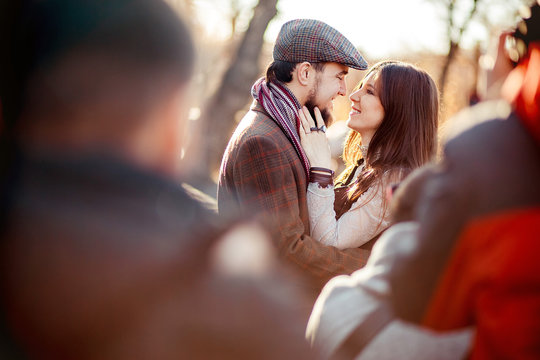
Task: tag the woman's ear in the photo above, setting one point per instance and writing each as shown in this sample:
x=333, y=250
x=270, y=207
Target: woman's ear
x=304, y=72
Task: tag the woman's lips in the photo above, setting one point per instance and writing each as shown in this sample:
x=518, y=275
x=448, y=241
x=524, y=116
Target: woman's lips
x=355, y=111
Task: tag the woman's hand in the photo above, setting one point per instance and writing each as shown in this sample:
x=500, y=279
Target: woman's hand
x=314, y=142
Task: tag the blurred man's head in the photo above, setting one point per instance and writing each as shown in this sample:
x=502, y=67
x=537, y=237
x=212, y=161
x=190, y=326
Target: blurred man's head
x=527, y=33
x=106, y=76
x=522, y=86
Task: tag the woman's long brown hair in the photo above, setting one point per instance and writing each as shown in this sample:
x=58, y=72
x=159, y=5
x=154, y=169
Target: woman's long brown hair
x=407, y=136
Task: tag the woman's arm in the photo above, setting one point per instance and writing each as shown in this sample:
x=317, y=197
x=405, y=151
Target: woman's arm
x=357, y=226
x=365, y=219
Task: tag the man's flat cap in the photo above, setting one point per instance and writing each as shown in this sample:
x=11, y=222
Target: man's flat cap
x=314, y=41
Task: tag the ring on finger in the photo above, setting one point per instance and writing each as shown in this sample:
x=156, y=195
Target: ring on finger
x=322, y=128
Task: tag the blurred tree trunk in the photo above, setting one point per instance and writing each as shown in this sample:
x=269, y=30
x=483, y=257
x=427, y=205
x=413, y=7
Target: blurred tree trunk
x=185, y=8
x=235, y=14
x=218, y=116
x=454, y=35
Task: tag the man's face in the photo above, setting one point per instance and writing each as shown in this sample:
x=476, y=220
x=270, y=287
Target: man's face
x=328, y=85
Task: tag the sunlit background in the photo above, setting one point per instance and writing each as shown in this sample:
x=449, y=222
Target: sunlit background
x=447, y=38
x=379, y=28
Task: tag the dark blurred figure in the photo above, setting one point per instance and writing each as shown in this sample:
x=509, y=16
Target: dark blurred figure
x=352, y=318
x=478, y=261
x=104, y=255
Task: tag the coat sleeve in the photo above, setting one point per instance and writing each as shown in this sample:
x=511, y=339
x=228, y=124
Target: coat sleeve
x=366, y=218
x=443, y=209
x=265, y=182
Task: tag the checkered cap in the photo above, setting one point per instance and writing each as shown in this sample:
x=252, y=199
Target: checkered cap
x=314, y=41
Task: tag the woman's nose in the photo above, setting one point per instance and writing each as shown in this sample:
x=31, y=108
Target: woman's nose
x=355, y=96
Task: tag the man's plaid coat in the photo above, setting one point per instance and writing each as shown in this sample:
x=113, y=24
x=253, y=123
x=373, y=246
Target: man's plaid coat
x=262, y=173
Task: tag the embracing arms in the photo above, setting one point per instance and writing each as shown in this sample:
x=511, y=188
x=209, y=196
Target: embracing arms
x=264, y=174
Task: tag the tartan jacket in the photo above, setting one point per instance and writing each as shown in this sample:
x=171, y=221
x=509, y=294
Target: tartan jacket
x=262, y=173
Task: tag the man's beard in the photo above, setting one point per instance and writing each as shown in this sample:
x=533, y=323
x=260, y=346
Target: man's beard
x=327, y=116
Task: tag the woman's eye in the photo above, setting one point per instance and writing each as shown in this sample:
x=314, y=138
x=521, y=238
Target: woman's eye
x=370, y=92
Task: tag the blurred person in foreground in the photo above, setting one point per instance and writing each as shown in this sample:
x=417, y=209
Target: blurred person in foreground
x=104, y=255
x=477, y=259
x=393, y=130
x=265, y=169
x=352, y=318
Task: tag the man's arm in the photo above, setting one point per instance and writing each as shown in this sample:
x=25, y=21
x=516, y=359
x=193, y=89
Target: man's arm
x=266, y=182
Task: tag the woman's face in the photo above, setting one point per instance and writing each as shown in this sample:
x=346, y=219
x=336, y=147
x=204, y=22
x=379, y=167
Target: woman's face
x=367, y=111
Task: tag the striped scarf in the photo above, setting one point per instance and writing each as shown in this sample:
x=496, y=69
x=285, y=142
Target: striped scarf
x=281, y=104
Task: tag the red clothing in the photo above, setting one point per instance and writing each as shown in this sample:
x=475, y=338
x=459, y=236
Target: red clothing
x=522, y=89
x=492, y=281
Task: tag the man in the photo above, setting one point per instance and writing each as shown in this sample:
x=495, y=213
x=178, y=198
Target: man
x=264, y=168
x=103, y=255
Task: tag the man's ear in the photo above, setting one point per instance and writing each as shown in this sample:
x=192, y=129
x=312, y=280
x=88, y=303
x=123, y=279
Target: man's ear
x=304, y=72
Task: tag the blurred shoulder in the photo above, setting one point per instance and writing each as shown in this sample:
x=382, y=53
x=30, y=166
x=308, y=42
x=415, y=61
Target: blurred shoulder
x=473, y=116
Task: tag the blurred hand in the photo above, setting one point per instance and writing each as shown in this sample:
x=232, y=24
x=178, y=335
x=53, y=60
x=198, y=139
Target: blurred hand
x=315, y=143
x=502, y=65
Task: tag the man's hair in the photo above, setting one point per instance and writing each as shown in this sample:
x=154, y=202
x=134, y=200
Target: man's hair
x=67, y=55
x=527, y=31
x=282, y=70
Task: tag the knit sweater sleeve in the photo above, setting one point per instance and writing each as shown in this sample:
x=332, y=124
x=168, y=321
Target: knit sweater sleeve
x=365, y=219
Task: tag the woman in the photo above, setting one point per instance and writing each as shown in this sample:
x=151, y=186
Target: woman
x=393, y=125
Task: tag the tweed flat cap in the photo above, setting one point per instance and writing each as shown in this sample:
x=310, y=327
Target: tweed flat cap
x=314, y=41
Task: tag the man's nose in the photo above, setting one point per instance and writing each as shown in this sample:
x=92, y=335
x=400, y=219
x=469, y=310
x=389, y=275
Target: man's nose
x=342, y=88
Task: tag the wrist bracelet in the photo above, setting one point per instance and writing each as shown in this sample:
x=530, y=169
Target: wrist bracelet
x=321, y=169
x=324, y=180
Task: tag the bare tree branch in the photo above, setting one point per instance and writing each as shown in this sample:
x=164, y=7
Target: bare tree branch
x=455, y=35
x=233, y=93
